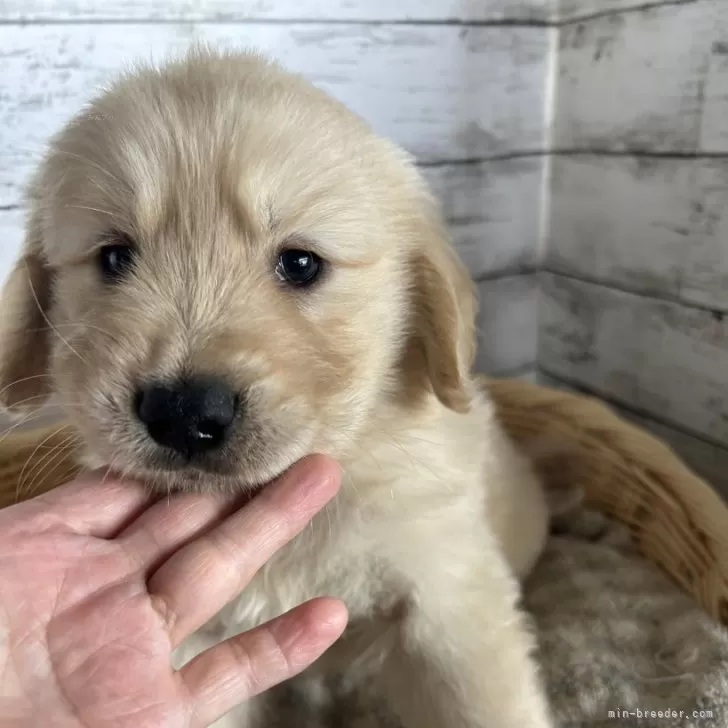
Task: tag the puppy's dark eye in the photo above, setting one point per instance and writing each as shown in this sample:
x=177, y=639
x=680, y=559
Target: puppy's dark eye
x=116, y=260
x=299, y=267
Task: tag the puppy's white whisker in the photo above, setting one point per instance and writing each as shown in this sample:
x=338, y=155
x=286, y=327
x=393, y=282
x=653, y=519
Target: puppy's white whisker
x=47, y=438
x=23, y=380
x=48, y=321
x=100, y=210
x=28, y=418
x=80, y=325
x=39, y=474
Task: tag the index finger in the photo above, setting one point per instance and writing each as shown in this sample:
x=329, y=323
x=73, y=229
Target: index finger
x=204, y=576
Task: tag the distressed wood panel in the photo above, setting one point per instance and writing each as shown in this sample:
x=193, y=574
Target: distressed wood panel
x=653, y=225
x=707, y=460
x=713, y=127
x=655, y=356
x=568, y=11
x=443, y=92
x=492, y=210
x=236, y=10
x=653, y=80
x=507, y=324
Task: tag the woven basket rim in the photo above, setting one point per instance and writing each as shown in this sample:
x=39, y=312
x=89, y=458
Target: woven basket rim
x=644, y=450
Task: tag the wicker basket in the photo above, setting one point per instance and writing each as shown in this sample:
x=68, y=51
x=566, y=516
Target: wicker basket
x=676, y=519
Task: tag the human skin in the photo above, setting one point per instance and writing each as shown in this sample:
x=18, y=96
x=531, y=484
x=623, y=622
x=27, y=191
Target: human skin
x=99, y=584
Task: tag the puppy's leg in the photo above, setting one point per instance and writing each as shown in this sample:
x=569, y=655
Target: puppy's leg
x=464, y=659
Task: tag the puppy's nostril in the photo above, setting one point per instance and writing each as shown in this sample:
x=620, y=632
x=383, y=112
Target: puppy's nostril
x=189, y=417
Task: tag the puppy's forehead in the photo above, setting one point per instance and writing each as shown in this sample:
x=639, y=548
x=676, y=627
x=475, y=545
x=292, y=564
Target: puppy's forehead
x=253, y=160
x=254, y=192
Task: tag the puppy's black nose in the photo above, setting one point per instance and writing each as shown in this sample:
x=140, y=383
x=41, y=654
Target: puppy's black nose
x=190, y=417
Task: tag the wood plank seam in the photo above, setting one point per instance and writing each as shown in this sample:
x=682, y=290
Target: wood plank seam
x=614, y=285
x=514, y=22
x=599, y=14
x=637, y=411
x=511, y=22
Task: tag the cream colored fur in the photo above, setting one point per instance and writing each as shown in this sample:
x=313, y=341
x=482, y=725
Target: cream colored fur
x=212, y=164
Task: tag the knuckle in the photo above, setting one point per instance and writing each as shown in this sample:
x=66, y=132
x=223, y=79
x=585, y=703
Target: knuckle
x=278, y=653
x=262, y=658
x=164, y=610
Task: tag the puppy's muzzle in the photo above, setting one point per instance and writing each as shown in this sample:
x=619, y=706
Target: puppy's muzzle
x=190, y=417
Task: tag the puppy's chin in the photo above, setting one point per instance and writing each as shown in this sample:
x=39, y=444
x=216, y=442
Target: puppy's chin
x=171, y=477
x=199, y=481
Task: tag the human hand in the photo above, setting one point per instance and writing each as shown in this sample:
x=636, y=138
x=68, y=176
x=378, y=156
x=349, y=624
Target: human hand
x=98, y=587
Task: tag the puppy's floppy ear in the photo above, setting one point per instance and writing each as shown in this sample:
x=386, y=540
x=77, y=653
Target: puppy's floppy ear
x=24, y=329
x=445, y=307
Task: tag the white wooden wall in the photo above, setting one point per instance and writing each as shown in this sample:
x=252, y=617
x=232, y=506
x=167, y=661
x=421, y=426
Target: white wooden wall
x=635, y=288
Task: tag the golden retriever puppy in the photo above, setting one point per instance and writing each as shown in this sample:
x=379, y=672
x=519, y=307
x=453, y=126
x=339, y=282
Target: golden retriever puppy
x=239, y=272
